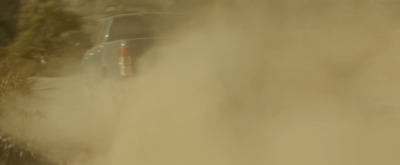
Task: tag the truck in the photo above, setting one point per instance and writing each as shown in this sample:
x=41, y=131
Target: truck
x=121, y=40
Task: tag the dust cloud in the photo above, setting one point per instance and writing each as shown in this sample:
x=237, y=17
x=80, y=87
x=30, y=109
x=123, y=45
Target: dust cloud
x=257, y=82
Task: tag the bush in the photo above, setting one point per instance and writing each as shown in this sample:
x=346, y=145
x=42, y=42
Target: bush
x=41, y=25
x=14, y=83
x=24, y=67
x=11, y=87
x=3, y=52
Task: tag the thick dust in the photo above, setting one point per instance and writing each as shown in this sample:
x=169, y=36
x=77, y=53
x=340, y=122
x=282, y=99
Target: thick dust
x=258, y=82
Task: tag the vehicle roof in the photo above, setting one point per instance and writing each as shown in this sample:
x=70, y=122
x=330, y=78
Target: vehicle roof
x=142, y=13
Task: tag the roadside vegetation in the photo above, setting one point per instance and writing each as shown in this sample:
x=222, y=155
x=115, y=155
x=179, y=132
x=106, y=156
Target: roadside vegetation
x=45, y=30
x=47, y=34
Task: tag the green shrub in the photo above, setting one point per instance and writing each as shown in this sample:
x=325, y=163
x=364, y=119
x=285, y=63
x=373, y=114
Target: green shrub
x=12, y=87
x=24, y=67
x=41, y=25
x=14, y=83
x=3, y=52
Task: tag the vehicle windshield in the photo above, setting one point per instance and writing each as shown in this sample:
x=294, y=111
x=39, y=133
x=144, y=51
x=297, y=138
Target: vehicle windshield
x=142, y=26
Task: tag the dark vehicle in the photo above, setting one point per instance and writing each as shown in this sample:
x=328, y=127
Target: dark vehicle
x=121, y=40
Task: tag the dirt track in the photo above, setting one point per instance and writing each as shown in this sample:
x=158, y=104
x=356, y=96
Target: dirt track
x=305, y=87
